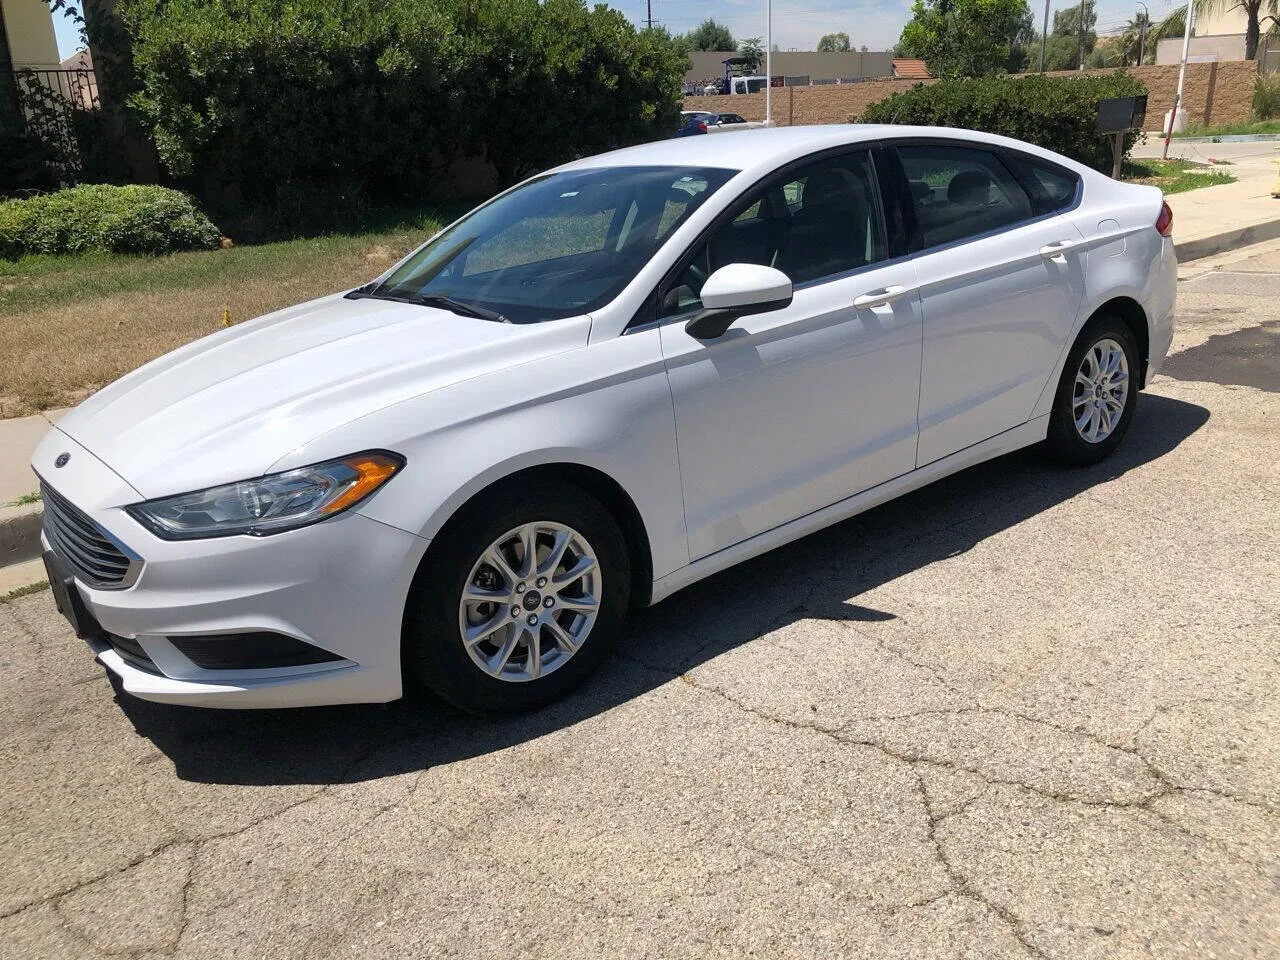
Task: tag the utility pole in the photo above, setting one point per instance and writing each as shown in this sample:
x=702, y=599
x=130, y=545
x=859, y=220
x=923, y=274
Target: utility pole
x=1142, y=32
x=1044, y=34
x=768, y=63
x=1081, y=66
x=1182, y=76
x=649, y=9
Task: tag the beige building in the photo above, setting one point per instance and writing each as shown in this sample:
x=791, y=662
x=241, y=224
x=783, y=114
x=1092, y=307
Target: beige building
x=815, y=67
x=1219, y=36
x=26, y=36
x=1223, y=22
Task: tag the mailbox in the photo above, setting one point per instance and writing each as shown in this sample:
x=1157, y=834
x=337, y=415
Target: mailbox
x=1121, y=114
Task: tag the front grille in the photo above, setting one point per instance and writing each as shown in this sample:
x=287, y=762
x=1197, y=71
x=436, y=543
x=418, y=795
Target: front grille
x=94, y=556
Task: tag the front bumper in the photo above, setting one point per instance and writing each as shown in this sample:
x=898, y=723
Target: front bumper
x=340, y=586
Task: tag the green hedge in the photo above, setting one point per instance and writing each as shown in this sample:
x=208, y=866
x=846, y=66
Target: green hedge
x=133, y=219
x=257, y=102
x=1057, y=113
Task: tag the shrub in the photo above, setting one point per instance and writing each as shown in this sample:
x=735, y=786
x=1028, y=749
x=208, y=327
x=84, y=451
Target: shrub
x=258, y=101
x=134, y=219
x=1057, y=113
x=1266, y=97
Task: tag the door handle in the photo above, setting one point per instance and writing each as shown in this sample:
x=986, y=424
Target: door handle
x=1055, y=250
x=879, y=298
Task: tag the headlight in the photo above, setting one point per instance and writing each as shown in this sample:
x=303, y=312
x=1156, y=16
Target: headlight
x=281, y=501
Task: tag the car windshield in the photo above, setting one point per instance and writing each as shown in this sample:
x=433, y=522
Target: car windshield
x=559, y=246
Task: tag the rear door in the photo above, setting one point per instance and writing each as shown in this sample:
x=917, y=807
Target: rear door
x=1001, y=281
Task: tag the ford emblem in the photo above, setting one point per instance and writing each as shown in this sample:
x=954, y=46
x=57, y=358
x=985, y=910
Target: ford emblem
x=62, y=460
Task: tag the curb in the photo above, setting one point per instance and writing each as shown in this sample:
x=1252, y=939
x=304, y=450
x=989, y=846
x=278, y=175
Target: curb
x=20, y=533
x=1230, y=240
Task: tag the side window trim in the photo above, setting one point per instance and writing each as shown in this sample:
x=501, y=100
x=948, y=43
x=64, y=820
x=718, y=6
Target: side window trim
x=648, y=312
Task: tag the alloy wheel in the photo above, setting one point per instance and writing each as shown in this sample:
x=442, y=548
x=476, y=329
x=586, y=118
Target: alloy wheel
x=530, y=601
x=1101, y=391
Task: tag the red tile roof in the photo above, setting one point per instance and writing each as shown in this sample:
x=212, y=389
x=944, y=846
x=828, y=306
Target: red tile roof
x=910, y=69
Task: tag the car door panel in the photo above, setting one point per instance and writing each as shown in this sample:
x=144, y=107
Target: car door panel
x=995, y=321
x=996, y=306
x=795, y=409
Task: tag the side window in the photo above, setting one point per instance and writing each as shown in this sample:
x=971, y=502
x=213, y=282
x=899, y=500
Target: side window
x=823, y=219
x=1056, y=187
x=961, y=192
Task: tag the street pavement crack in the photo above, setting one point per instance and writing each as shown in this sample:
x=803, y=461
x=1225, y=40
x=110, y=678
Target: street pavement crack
x=961, y=883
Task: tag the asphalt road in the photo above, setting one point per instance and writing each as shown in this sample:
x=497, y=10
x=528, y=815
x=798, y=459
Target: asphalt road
x=1024, y=712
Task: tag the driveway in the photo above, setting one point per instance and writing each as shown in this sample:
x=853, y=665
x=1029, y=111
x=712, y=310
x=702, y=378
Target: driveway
x=1025, y=712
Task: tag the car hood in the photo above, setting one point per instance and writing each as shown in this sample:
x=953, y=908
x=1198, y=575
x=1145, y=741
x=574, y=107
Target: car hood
x=231, y=405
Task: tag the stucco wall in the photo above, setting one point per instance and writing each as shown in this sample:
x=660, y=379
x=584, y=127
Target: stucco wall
x=1225, y=47
x=1214, y=93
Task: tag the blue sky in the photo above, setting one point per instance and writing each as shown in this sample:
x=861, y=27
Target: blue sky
x=796, y=23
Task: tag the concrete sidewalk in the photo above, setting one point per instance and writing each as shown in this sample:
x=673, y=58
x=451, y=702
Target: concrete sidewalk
x=1215, y=219
x=20, y=524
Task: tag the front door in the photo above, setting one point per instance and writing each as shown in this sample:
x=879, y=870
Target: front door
x=795, y=409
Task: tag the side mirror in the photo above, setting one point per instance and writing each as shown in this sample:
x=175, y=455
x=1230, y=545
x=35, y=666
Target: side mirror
x=738, y=290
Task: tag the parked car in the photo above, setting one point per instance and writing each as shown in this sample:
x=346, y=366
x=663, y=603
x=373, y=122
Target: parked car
x=612, y=380
x=691, y=125
x=716, y=122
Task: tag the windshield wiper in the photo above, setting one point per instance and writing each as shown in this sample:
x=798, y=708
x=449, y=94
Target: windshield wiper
x=431, y=300
x=461, y=308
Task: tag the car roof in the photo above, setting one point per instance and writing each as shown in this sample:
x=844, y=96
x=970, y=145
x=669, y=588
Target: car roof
x=768, y=147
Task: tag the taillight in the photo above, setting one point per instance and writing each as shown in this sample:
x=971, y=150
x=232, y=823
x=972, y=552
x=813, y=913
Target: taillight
x=1164, y=222
x=702, y=128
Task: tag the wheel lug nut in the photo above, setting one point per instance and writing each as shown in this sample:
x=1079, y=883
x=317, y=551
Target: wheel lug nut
x=548, y=601
x=515, y=611
x=542, y=582
x=532, y=620
x=519, y=588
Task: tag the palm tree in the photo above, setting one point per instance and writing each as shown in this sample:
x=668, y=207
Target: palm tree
x=1130, y=43
x=1257, y=12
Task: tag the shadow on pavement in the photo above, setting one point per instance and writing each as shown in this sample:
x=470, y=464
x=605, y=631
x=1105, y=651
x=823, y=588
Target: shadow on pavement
x=816, y=578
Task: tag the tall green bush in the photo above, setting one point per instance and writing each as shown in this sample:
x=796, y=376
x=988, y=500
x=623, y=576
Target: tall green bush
x=131, y=219
x=1057, y=113
x=336, y=99
x=1266, y=97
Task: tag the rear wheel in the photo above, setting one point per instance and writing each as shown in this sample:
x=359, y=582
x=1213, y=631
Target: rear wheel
x=1097, y=394
x=518, y=599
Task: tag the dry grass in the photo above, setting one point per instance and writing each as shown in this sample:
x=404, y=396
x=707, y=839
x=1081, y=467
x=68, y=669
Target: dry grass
x=71, y=325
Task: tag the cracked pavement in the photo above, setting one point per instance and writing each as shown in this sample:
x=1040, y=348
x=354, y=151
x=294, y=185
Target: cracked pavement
x=1025, y=712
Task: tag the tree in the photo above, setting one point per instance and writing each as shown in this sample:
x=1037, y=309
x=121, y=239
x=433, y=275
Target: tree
x=834, y=43
x=965, y=38
x=708, y=35
x=1061, y=52
x=750, y=50
x=1067, y=24
x=1256, y=13
x=1133, y=44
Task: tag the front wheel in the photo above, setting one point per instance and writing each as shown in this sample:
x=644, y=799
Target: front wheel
x=518, y=599
x=1097, y=394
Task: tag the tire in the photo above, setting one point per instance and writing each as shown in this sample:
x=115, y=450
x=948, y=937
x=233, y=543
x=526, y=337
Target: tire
x=1072, y=444
x=434, y=649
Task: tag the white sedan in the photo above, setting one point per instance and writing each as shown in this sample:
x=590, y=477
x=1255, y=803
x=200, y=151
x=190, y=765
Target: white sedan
x=608, y=382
